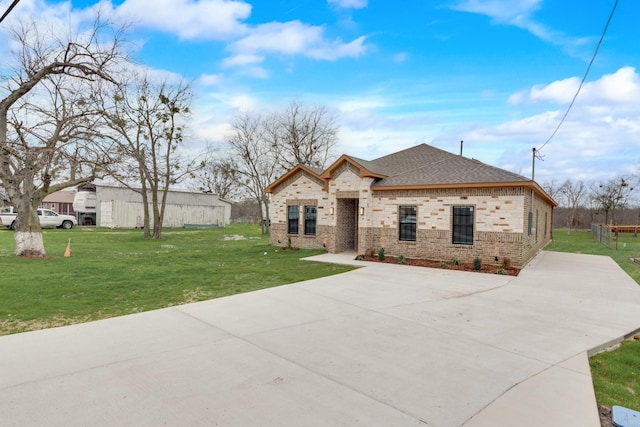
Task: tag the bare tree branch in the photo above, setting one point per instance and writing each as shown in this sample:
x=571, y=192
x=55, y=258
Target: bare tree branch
x=147, y=122
x=47, y=118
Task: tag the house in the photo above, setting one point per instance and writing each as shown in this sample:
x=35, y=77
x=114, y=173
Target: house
x=113, y=206
x=60, y=201
x=421, y=202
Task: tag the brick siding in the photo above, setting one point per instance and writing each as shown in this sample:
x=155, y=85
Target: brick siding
x=500, y=219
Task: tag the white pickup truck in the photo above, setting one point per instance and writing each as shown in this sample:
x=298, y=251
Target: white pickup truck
x=47, y=217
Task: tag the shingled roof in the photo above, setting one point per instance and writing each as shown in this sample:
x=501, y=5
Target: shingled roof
x=424, y=165
x=420, y=167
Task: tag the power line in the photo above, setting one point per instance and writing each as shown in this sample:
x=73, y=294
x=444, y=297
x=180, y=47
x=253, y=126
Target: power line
x=593, y=58
x=4, y=15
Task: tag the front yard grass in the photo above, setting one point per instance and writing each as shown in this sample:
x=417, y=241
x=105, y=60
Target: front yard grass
x=117, y=272
x=615, y=373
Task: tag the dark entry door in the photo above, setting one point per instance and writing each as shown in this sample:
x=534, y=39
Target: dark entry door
x=347, y=225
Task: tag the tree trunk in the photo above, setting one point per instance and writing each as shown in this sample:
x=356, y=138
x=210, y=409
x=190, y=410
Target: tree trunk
x=264, y=215
x=157, y=223
x=29, y=244
x=145, y=206
x=28, y=233
x=157, y=214
x=267, y=218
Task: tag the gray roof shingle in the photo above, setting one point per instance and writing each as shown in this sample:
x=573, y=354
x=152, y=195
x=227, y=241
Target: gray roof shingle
x=427, y=165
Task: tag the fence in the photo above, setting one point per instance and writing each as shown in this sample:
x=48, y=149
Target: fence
x=607, y=233
x=602, y=233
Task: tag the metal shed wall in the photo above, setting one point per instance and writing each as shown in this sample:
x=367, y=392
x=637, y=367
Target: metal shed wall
x=120, y=214
x=122, y=207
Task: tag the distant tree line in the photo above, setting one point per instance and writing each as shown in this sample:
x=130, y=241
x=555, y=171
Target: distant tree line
x=581, y=203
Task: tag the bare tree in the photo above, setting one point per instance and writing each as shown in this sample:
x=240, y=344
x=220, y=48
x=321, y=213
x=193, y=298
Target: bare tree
x=147, y=121
x=265, y=147
x=553, y=189
x=256, y=160
x=219, y=176
x=573, y=194
x=303, y=134
x=611, y=195
x=48, y=118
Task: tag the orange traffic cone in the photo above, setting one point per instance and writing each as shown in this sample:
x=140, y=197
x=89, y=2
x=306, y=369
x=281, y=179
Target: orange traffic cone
x=67, y=252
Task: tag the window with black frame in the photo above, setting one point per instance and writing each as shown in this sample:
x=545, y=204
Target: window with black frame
x=407, y=221
x=293, y=215
x=309, y=220
x=463, y=225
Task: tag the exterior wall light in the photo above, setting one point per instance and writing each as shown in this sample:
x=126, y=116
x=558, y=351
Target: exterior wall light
x=330, y=211
x=362, y=210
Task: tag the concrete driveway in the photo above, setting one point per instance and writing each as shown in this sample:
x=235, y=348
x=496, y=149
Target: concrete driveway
x=383, y=345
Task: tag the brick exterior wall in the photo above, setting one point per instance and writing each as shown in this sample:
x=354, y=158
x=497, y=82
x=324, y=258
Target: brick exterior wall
x=498, y=224
x=500, y=219
x=541, y=233
x=300, y=190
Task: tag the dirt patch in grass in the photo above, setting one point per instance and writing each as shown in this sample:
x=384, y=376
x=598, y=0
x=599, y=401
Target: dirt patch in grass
x=463, y=266
x=606, y=417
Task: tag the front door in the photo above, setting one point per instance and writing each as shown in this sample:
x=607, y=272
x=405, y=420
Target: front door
x=347, y=225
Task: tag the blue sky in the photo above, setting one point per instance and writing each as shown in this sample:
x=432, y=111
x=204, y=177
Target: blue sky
x=498, y=74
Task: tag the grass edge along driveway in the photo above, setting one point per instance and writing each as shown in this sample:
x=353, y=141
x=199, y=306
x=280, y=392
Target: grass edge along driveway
x=118, y=272
x=615, y=373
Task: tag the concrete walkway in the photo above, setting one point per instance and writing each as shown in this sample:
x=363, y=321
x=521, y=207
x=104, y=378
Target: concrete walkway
x=383, y=345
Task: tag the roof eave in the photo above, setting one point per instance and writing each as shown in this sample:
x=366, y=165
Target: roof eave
x=362, y=171
x=289, y=174
x=526, y=184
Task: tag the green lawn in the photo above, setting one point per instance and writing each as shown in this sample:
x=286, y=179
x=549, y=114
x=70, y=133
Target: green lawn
x=116, y=272
x=615, y=373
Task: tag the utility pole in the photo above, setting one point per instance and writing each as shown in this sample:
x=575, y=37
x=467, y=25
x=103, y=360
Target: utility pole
x=533, y=165
x=533, y=175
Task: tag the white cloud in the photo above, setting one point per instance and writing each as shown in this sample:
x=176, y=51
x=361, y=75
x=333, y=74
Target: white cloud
x=400, y=57
x=189, y=19
x=292, y=38
x=500, y=10
x=619, y=89
x=210, y=79
x=561, y=91
x=207, y=20
x=242, y=59
x=331, y=51
x=285, y=37
x=519, y=13
x=349, y=4
x=360, y=104
x=597, y=140
x=40, y=11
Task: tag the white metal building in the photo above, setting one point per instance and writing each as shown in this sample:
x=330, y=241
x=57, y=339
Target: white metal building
x=119, y=207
